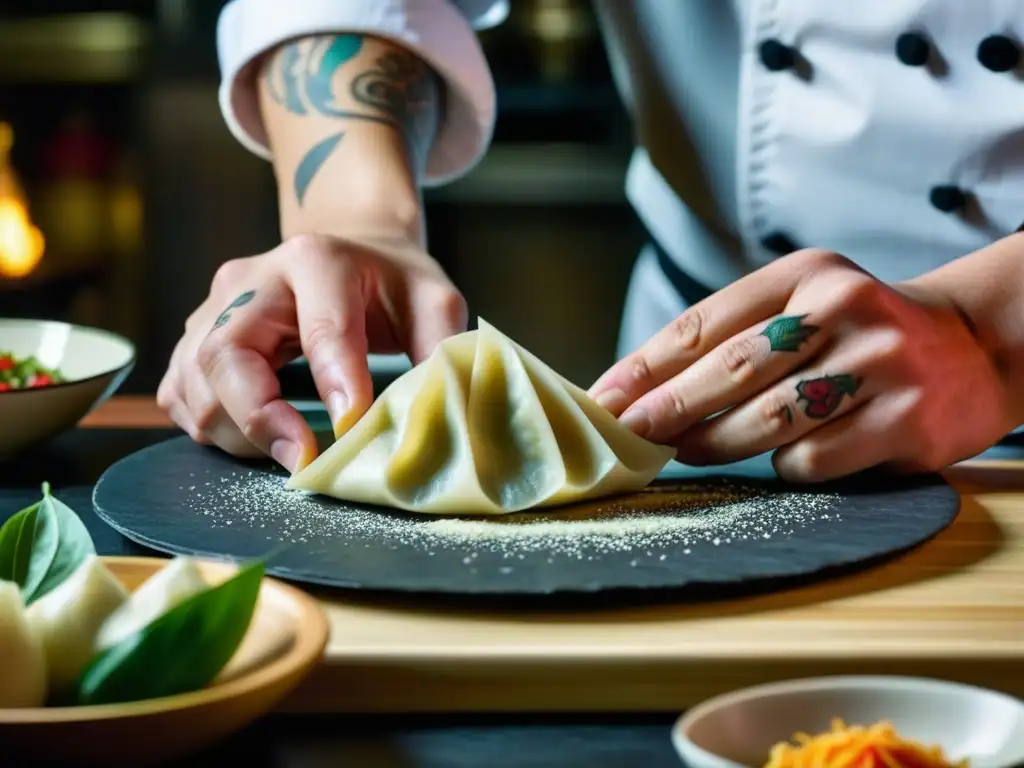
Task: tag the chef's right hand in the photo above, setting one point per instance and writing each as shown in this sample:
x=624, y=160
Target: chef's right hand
x=330, y=299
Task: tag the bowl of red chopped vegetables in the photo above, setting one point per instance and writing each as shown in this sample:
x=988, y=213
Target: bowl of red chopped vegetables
x=51, y=375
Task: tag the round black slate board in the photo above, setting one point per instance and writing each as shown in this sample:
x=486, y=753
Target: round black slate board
x=181, y=498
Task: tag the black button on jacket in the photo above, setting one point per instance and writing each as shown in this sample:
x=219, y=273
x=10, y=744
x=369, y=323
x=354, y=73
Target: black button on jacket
x=912, y=49
x=999, y=53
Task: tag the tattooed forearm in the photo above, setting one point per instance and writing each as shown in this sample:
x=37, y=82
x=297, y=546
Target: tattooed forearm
x=328, y=77
x=241, y=301
x=788, y=333
x=824, y=394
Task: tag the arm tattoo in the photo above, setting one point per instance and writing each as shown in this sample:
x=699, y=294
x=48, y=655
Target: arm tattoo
x=788, y=333
x=241, y=301
x=311, y=163
x=398, y=90
x=824, y=394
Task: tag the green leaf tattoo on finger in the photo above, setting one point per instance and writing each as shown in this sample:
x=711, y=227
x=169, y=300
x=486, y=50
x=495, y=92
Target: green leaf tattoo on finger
x=241, y=301
x=788, y=332
x=823, y=395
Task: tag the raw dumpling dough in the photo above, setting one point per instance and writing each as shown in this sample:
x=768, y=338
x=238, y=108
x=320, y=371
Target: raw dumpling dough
x=482, y=427
x=68, y=619
x=22, y=662
x=165, y=590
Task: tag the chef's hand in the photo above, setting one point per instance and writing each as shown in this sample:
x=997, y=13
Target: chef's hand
x=816, y=359
x=350, y=120
x=332, y=300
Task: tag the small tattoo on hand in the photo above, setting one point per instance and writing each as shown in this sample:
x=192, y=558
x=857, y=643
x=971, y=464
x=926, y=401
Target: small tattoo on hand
x=241, y=301
x=788, y=413
x=788, y=333
x=824, y=394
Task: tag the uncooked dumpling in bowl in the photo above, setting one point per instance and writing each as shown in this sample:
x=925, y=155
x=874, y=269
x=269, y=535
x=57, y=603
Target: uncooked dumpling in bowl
x=482, y=427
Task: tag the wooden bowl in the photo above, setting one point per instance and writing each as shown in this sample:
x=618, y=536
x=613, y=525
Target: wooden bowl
x=94, y=363
x=287, y=637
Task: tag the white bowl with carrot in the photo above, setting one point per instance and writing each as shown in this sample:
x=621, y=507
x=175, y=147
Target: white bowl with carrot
x=854, y=722
x=51, y=375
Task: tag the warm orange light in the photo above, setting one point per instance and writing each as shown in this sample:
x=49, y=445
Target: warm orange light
x=21, y=242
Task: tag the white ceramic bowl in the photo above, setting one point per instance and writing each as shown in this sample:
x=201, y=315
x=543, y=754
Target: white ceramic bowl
x=737, y=730
x=94, y=363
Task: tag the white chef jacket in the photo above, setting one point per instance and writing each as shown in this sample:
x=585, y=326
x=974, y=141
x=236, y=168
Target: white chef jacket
x=763, y=125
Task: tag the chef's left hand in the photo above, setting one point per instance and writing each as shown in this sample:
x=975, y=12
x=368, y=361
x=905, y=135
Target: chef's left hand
x=818, y=360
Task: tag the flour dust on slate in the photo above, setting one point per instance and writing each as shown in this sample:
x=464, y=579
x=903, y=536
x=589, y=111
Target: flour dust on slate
x=651, y=524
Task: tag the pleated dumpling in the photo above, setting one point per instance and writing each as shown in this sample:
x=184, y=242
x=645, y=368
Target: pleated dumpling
x=482, y=427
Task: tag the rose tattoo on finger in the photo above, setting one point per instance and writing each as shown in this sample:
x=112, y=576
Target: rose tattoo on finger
x=823, y=395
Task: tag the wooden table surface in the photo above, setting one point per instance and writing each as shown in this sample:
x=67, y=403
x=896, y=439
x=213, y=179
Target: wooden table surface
x=952, y=608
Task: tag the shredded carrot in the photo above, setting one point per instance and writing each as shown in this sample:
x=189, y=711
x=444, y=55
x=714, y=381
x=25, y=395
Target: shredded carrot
x=876, y=746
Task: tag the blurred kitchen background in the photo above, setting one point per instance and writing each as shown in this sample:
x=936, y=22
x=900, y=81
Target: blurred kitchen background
x=128, y=191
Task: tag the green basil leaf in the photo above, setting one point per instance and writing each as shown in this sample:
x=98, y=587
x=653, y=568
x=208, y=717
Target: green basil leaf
x=41, y=542
x=182, y=651
x=42, y=545
x=16, y=544
x=61, y=544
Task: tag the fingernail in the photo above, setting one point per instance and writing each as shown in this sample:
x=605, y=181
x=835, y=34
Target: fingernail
x=637, y=421
x=306, y=457
x=613, y=400
x=337, y=406
x=286, y=453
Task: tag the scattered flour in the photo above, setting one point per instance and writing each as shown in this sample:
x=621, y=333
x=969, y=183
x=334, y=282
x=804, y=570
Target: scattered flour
x=649, y=525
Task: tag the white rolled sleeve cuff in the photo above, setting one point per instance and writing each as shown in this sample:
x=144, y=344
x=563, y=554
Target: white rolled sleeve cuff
x=441, y=32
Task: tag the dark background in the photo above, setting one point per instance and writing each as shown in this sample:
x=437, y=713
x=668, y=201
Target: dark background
x=141, y=192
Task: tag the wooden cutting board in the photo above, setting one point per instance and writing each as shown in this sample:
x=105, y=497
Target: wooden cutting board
x=953, y=608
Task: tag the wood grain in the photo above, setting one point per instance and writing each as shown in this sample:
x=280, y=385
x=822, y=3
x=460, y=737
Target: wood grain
x=127, y=412
x=953, y=608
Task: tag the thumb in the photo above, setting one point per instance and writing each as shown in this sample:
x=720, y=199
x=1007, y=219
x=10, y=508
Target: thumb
x=436, y=311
